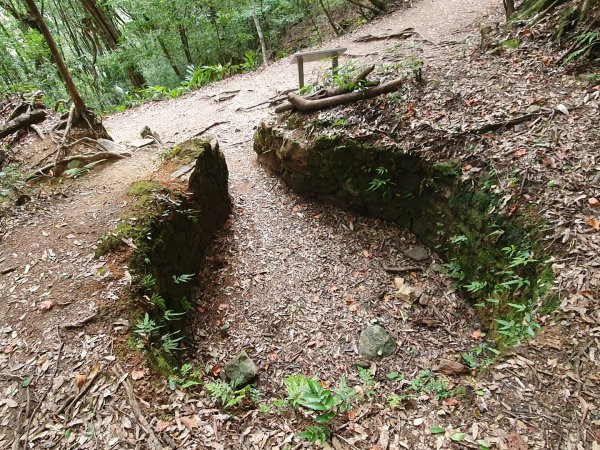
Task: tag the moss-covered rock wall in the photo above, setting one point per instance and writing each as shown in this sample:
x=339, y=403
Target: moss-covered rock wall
x=172, y=239
x=497, y=258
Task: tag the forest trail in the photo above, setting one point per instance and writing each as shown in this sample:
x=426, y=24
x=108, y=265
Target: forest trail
x=50, y=277
x=178, y=119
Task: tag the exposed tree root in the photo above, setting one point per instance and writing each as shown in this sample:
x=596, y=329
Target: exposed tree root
x=404, y=34
x=59, y=166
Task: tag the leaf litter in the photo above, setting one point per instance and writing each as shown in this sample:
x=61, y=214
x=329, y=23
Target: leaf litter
x=295, y=282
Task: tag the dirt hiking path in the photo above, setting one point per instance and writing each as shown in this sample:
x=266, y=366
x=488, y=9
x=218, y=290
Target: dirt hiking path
x=300, y=281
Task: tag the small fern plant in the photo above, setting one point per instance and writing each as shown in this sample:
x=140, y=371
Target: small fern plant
x=584, y=43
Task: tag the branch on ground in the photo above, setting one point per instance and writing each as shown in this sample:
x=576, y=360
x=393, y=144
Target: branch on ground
x=37, y=115
x=304, y=105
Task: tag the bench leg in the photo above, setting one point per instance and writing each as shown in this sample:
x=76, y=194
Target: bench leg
x=300, y=72
x=334, y=65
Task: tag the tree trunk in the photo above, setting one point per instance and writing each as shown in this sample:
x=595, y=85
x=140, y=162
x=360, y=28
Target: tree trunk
x=169, y=57
x=261, y=38
x=111, y=36
x=80, y=107
x=26, y=21
x=509, y=8
x=37, y=115
x=330, y=19
x=185, y=44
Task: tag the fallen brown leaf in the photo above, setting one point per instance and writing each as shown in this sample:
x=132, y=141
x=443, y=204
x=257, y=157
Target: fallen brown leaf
x=80, y=379
x=46, y=304
x=189, y=423
x=449, y=367
x=593, y=222
x=161, y=425
x=137, y=374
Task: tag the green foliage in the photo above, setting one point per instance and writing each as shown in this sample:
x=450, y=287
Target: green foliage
x=315, y=433
x=584, y=43
x=381, y=182
x=309, y=393
x=458, y=239
x=170, y=343
x=146, y=327
x=480, y=357
x=227, y=394
x=426, y=381
x=184, y=378
x=183, y=278
x=174, y=46
x=395, y=401
x=366, y=376
x=76, y=172
x=11, y=179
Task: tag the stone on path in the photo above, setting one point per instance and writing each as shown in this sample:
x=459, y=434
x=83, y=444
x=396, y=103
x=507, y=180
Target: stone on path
x=376, y=343
x=139, y=143
x=417, y=253
x=111, y=146
x=240, y=370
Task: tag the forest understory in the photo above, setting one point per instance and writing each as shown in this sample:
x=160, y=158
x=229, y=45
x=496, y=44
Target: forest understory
x=292, y=281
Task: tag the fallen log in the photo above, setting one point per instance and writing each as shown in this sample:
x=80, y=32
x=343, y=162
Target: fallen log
x=37, y=115
x=324, y=93
x=304, y=105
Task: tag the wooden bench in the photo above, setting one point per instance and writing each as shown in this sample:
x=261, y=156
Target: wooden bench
x=302, y=57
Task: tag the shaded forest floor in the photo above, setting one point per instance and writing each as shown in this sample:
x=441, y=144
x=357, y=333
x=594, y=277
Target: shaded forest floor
x=296, y=281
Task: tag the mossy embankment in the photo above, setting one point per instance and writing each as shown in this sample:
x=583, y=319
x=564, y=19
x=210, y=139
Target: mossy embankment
x=168, y=225
x=491, y=247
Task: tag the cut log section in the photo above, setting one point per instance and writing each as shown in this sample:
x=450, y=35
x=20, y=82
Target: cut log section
x=35, y=116
x=305, y=105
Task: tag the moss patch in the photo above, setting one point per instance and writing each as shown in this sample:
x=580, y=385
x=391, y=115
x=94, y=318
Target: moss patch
x=187, y=151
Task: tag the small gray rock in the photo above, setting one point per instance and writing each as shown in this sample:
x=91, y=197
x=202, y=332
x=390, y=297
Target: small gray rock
x=417, y=253
x=182, y=172
x=111, y=146
x=225, y=330
x=240, y=370
x=376, y=343
x=139, y=143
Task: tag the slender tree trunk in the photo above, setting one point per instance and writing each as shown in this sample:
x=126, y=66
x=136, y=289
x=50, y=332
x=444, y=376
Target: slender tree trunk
x=66, y=23
x=80, y=107
x=169, y=57
x=111, y=36
x=509, y=8
x=185, y=44
x=336, y=30
x=261, y=38
x=26, y=21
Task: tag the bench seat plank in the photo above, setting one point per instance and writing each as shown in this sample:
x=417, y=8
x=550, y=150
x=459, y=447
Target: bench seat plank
x=317, y=55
